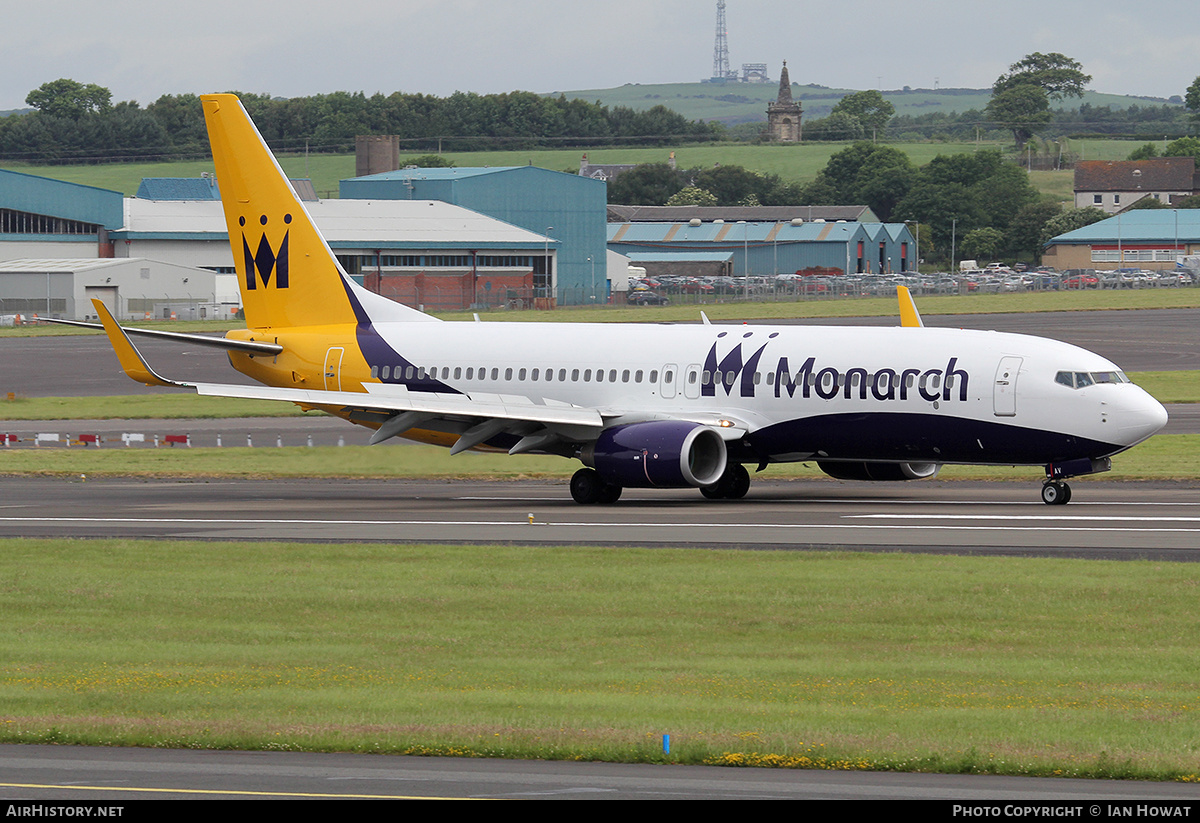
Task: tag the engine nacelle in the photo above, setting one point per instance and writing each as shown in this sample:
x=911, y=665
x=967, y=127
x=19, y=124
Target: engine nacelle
x=662, y=453
x=879, y=471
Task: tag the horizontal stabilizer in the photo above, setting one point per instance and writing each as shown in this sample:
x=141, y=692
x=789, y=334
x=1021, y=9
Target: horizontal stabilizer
x=249, y=346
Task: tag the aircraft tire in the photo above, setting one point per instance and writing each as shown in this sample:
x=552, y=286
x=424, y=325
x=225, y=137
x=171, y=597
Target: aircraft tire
x=733, y=485
x=1055, y=493
x=587, y=487
x=609, y=494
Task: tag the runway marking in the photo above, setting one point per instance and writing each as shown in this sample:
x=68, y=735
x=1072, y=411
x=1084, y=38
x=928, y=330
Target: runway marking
x=1010, y=517
x=521, y=523
x=220, y=792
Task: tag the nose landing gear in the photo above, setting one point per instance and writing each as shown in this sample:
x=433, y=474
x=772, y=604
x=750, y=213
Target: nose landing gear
x=1056, y=493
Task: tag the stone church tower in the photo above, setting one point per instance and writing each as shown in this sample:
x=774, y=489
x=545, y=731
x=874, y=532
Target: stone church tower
x=783, y=116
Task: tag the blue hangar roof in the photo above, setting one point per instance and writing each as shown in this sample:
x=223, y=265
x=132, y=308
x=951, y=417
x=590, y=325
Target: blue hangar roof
x=1137, y=226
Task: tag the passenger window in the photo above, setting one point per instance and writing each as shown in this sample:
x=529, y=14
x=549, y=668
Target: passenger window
x=521, y=374
x=457, y=372
x=386, y=372
x=534, y=375
x=587, y=375
x=599, y=375
x=374, y=372
x=508, y=374
x=574, y=375
x=495, y=373
x=612, y=375
x=625, y=376
x=637, y=376
x=562, y=376
x=705, y=378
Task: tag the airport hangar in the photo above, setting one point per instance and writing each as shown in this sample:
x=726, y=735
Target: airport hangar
x=422, y=252
x=1142, y=238
x=758, y=248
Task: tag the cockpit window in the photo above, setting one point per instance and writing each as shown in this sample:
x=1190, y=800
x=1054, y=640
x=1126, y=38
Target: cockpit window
x=1083, y=379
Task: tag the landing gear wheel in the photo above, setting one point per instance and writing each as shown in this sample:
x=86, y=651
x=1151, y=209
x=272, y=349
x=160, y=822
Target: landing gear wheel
x=733, y=485
x=609, y=494
x=1056, y=493
x=586, y=487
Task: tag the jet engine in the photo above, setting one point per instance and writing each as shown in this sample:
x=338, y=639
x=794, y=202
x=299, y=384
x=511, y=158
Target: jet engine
x=662, y=453
x=879, y=471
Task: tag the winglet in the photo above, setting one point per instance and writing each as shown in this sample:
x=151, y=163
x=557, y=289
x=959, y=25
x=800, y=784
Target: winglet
x=128, y=356
x=909, y=316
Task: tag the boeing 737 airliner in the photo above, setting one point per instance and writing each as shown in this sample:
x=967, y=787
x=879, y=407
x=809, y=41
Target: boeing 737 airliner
x=642, y=405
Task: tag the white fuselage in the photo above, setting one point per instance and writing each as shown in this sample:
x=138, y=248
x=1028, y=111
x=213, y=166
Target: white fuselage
x=841, y=393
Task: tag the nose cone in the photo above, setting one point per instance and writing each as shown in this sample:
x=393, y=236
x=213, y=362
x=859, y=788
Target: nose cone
x=1140, y=417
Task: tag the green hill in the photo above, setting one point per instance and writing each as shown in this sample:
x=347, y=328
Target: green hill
x=734, y=103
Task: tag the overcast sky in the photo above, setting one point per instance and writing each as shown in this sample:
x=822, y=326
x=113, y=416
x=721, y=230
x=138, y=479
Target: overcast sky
x=141, y=49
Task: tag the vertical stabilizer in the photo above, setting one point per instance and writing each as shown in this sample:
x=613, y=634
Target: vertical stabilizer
x=287, y=274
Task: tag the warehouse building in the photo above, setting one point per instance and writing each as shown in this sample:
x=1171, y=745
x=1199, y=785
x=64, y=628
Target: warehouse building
x=566, y=210
x=766, y=248
x=420, y=252
x=1142, y=239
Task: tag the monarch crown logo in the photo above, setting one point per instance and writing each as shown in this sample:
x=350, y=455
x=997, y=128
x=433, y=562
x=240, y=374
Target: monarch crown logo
x=266, y=261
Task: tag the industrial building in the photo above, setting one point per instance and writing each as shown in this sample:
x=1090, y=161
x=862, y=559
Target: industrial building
x=422, y=252
x=766, y=248
x=566, y=210
x=1143, y=239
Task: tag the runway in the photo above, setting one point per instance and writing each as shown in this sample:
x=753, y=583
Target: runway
x=1110, y=520
x=110, y=776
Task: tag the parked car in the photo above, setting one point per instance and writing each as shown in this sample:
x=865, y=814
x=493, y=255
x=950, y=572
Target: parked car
x=646, y=298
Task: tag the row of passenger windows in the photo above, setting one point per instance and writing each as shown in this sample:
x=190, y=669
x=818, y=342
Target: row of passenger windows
x=544, y=375
x=706, y=377
x=1083, y=379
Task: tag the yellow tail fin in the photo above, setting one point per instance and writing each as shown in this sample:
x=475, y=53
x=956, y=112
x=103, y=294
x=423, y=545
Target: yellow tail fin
x=287, y=273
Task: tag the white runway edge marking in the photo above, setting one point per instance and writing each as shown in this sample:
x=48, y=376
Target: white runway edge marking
x=542, y=524
x=1090, y=518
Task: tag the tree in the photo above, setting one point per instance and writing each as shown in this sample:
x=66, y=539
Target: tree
x=982, y=244
x=427, y=161
x=1070, y=220
x=1192, y=100
x=692, y=196
x=1021, y=98
x=649, y=184
x=1144, y=152
x=1055, y=74
x=1024, y=233
x=868, y=107
x=69, y=99
x=1024, y=110
x=1184, y=147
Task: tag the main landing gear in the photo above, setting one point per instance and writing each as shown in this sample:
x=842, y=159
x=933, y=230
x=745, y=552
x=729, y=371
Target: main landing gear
x=733, y=485
x=588, y=488
x=1056, y=493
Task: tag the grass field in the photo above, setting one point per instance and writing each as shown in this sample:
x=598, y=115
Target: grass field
x=791, y=162
x=1163, y=457
x=810, y=660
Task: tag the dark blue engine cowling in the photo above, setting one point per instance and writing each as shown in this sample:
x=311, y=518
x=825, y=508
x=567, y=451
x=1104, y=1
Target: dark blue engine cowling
x=879, y=471
x=663, y=453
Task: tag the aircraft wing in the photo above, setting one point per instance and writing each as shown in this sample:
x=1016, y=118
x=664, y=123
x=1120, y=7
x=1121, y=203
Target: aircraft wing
x=398, y=409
